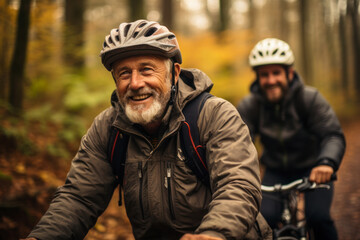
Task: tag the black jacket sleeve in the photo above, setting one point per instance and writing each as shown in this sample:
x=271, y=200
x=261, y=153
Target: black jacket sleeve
x=323, y=122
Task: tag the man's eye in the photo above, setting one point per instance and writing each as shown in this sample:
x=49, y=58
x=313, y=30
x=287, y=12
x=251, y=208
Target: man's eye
x=147, y=70
x=123, y=74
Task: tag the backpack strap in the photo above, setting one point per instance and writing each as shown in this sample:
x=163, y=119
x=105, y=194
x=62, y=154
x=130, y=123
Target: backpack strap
x=304, y=98
x=194, y=152
x=116, y=154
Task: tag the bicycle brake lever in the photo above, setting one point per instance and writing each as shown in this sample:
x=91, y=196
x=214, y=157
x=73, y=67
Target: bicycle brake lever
x=323, y=186
x=304, y=185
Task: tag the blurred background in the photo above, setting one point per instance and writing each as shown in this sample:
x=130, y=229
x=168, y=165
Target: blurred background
x=52, y=83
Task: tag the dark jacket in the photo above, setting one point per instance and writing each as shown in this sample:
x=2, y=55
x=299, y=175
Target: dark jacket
x=298, y=133
x=163, y=198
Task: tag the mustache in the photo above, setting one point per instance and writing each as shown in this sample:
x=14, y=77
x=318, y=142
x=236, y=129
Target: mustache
x=142, y=91
x=272, y=85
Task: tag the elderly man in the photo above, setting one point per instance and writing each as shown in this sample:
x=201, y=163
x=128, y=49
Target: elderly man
x=164, y=199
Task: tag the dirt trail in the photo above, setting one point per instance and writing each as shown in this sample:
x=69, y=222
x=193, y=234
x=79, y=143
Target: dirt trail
x=346, y=205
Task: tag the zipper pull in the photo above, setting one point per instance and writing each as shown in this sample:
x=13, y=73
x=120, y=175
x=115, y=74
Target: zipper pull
x=168, y=175
x=168, y=171
x=140, y=170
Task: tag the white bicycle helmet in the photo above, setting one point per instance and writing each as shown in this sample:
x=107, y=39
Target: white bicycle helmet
x=271, y=51
x=141, y=37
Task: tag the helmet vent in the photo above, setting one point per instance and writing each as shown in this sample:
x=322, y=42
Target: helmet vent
x=260, y=53
x=150, y=31
x=171, y=37
x=141, y=25
x=274, y=52
x=117, y=38
x=110, y=40
x=135, y=34
x=126, y=29
x=282, y=54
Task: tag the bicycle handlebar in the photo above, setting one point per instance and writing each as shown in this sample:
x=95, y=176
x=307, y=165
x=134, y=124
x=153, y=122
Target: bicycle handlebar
x=302, y=185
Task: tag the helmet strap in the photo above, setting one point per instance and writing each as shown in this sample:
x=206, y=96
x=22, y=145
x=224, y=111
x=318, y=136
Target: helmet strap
x=173, y=87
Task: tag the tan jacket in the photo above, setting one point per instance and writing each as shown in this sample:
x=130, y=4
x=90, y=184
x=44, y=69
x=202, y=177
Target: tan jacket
x=163, y=198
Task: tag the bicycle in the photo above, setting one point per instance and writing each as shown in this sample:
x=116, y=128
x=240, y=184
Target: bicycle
x=293, y=227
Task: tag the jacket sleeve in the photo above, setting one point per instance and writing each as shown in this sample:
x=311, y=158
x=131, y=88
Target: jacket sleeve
x=234, y=171
x=87, y=191
x=248, y=109
x=323, y=122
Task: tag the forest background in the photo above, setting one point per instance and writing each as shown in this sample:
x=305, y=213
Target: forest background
x=52, y=82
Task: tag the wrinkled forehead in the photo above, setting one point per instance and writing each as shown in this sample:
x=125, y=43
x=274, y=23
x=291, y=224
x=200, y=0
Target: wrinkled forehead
x=270, y=68
x=154, y=60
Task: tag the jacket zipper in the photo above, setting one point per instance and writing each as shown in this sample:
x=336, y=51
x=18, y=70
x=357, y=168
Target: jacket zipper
x=140, y=174
x=285, y=157
x=168, y=186
x=167, y=178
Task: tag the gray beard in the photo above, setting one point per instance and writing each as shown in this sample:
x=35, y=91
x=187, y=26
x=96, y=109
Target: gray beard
x=154, y=113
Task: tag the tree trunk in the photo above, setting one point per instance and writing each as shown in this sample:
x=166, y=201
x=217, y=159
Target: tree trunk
x=306, y=61
x=252, y=15
x=353, y=9
x=137, y=9
x=17, y=69
x=74, y=33
x=224, y=15
x=344, y=55
x=167, y=13
x=5, y=33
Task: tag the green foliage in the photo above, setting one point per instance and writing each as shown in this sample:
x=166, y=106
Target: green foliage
x=58, y=150
x=5, y=177
x=16, y=137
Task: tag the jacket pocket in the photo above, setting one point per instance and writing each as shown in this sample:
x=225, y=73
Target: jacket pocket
x=168, y=185
x=140, y=175
x=134, y=192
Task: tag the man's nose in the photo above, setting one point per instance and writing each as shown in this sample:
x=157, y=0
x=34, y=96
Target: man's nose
x=136, y=80
x=271, y=79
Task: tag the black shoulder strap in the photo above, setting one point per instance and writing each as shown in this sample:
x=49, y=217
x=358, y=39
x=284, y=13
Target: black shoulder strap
x=116, y=154
x=193, y=151
x=303, y=100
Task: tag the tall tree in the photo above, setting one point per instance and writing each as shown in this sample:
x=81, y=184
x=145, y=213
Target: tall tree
x=343, y=47
x=354, y=13
x=17, y=69
x=74, y=33
x=305, y=45
x=167, y=10
x=252, y=15
x=224, y=15
x=4, y=47
x=136, y=9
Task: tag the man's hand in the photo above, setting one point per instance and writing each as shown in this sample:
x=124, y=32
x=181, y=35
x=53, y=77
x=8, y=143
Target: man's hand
x=189, y=236
x=321, y=174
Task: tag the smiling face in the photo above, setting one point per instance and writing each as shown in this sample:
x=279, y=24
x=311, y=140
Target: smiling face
x=143, y=84
x=273, y=81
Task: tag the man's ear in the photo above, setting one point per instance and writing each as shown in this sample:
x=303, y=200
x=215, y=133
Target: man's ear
x=290, y=73
x=112, y=74
x=177, y=69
